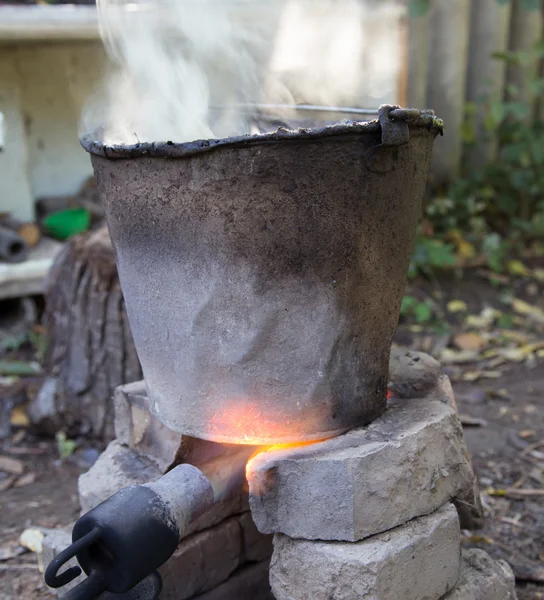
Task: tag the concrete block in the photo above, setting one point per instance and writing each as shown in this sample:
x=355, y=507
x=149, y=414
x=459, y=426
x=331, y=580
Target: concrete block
x=247, y=583
x=207, y=559
x=406, y=464
x=417, y=561
x=483, y=578
x=203, y=561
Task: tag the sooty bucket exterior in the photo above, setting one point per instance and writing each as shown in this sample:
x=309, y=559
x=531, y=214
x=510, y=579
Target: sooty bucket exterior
x=263, y=275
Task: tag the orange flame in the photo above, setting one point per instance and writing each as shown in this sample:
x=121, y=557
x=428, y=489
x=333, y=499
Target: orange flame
x=252, y=424
x=277, y=448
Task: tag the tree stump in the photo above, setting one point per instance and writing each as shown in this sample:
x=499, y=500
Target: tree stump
x=91, y=350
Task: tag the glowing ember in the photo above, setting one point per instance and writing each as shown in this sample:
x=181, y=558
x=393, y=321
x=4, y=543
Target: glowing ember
x=277, y=448
x=250, y=425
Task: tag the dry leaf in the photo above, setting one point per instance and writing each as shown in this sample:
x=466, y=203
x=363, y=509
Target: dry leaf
x=465, y=249
x=527, y=433
x=471, y=375
x=477, y=539
x=26, y=479
x=496, y=362
x=455, y=306
x=538, y=274
x=532, y=289
x=469, y=341
x=528, y=310
x=11, y=551
x=484, y=320
x=513, y=354
x=449, y=356
x=516, y=267
x=491, y=374
x=514, y=492
x=11, y=465
x=514, y=336
x=6, y=483
x=32, y=539
x=530, y=348
x=469, y=421
x=18, y=437
x=19, y=418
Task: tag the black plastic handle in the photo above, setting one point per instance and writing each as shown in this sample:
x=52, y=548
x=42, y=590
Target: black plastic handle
x=52, y=577
x=89, y=589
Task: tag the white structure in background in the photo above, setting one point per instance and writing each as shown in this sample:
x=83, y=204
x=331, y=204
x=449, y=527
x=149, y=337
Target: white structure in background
x=2, y=135
x=51, y=57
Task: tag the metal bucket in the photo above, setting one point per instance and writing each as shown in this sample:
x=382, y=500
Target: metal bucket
x=263, y=275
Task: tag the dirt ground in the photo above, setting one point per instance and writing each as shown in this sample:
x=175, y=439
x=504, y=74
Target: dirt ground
x=504, y=429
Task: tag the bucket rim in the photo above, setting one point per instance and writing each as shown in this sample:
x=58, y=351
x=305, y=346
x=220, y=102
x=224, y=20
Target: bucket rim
x=422, y=120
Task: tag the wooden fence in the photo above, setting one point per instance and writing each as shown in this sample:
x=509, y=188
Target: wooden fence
x=450, y=62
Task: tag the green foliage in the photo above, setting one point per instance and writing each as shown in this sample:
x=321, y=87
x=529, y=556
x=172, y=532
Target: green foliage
x=65, y=446
x=429, y=255
x=421, y=312
x=532, y=5
x=39, y=341
x=498, y=208
x=418, y=8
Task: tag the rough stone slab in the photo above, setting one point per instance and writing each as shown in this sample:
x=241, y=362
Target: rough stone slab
x=117, y=467
x=138, y=429
x=417, y=561
x=407, y=376
x=483, y=578
x=406, y=464
x=412, y=374
x=247, y=583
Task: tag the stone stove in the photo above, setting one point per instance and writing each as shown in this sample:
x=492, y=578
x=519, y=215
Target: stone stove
x=263, y=277
x=368, y=514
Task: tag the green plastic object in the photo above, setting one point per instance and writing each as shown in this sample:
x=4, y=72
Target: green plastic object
x=66, y=223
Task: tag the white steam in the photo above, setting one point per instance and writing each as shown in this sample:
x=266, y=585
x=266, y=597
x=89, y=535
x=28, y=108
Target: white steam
x=188, y=69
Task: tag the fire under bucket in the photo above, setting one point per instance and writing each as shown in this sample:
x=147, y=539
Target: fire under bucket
x=263, y=275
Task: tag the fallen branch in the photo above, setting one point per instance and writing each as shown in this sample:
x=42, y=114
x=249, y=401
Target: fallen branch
x=513, y=493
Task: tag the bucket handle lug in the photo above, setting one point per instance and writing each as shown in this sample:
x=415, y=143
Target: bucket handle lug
x=394, y=124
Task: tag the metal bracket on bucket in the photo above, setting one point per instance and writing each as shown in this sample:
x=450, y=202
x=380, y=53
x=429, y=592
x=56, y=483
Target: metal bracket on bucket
x=394, y=124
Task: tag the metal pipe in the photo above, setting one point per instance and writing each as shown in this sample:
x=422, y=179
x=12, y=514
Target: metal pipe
x=299, y=107
x=13, y=248
x=125, y=539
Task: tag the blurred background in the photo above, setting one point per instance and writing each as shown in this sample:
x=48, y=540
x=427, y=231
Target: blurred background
x=474, y=297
